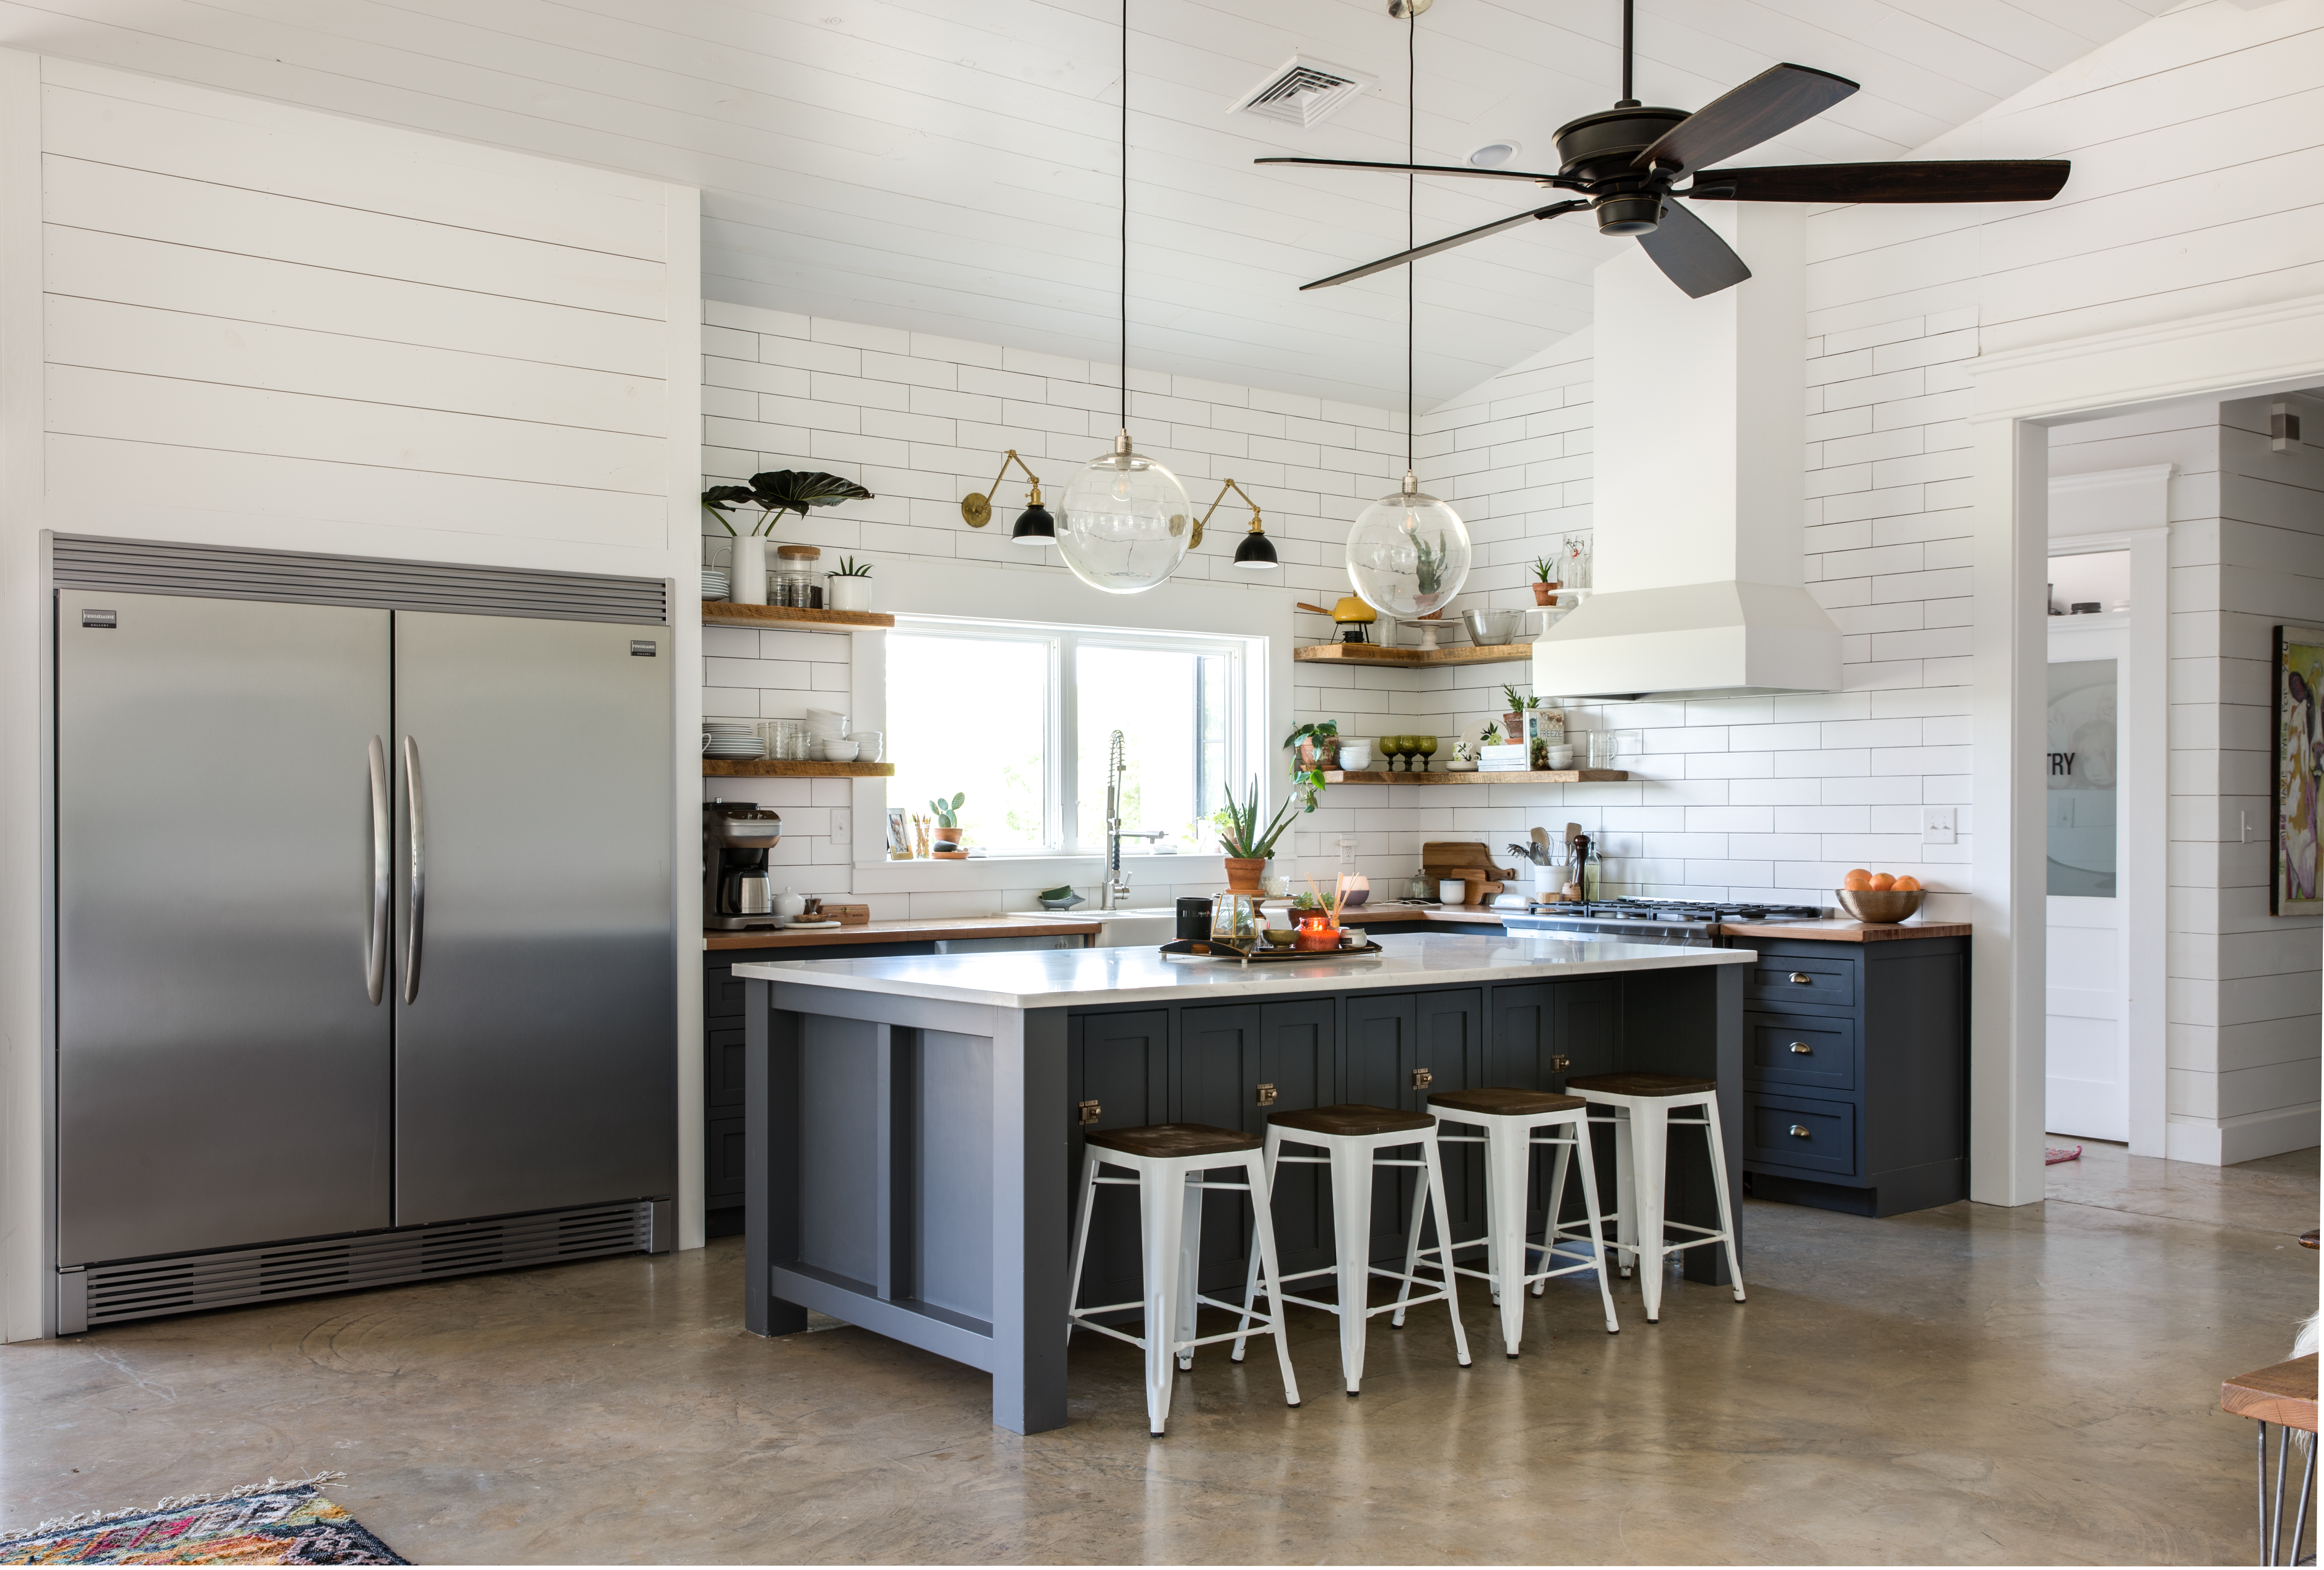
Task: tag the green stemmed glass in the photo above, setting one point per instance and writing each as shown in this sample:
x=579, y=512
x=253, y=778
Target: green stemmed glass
x=1426, y=746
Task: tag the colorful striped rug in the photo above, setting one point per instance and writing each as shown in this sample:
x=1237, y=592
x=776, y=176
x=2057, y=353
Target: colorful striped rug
x=265, y=1523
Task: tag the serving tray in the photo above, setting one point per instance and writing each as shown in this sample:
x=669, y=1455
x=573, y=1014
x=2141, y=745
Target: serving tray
x=1212, y=948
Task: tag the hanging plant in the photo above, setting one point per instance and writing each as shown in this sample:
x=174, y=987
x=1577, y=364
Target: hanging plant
x=778, y=491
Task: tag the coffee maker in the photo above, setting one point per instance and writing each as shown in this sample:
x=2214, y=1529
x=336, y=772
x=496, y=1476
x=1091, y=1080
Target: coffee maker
x=738, y=891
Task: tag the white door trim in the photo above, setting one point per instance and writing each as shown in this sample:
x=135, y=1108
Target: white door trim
x=2018, y=394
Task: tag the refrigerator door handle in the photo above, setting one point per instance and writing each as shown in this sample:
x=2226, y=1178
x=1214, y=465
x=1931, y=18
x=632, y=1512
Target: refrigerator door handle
x=416, y=909
x=383, y=873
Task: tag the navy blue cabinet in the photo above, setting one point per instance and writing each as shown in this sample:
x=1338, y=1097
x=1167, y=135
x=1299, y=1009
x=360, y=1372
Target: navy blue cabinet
x=1855, y=1073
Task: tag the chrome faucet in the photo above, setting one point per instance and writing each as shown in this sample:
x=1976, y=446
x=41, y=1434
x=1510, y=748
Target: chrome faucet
x=1116, y=888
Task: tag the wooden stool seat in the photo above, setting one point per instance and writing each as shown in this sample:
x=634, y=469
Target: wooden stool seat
x=1504, y=1101
x=1352, y=1120
x=1172, y=1141
x=2282, y=1394
x=1640, y=1084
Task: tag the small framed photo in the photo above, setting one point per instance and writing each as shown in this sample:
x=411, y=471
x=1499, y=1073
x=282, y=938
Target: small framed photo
x=2294, y=886
x=899, y=835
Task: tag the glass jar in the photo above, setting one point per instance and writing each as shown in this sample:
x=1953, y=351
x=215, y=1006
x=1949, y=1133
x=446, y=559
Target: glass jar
x=797, y=582
x=1235, y=918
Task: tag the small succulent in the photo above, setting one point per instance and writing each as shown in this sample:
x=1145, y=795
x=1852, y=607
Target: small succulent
x=948, y=811
x=1544, y=571
x=849, y=567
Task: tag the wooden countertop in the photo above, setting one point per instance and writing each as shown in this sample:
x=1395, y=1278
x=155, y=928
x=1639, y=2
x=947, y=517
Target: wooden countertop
x=2282, y=1392
x=1843, y=930
x=906, y=931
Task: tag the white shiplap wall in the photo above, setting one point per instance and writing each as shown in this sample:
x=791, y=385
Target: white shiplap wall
x=234, y=322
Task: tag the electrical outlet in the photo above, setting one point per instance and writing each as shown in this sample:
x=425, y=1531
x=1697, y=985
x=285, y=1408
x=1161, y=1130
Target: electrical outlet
x=1937, y=826
x=842, y=828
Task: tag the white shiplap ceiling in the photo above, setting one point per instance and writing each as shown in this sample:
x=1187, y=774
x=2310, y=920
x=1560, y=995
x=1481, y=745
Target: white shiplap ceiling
x=949, y=166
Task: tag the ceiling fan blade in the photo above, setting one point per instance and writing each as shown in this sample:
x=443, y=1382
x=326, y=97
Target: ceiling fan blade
x=1989, y=180
x=1768, y=104
x=1692, y=255
x=1450, y=241
x=1539, y=180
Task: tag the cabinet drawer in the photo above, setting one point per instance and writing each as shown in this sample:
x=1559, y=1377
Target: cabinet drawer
x=1817, y=1136
x=1814, y=1051
x=1786, y=979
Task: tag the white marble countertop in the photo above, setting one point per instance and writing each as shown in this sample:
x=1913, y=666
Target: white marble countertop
x=1058, y=977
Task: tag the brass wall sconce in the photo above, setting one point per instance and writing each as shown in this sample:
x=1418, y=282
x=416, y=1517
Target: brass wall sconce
x=1256, y=551
x=1035, y=526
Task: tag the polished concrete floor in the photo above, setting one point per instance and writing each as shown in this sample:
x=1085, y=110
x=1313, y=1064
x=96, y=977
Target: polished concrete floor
x=1965, y=1384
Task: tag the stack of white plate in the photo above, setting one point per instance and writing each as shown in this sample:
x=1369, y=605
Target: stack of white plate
x=731, y=739
x=714, y=583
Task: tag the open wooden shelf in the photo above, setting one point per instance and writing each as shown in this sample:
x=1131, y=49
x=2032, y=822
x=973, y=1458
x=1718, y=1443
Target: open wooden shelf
x=1477, y=776
x=726, y=613
x=768, y=767
x=1373, y=654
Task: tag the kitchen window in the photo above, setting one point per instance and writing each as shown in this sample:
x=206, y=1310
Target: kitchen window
x=1020, y=718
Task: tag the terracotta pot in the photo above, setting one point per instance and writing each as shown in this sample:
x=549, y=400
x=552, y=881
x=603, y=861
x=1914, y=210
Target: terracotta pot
x=1243, y=873
x=1513, y=727
x=1543, y=594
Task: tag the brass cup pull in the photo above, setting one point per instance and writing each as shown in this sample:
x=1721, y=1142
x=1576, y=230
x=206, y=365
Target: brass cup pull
x=1090, y=1112
x=1422, y=1079
x=1800, y=1131
x=1802, y=978
x=1802, y=1050
x=1267, y=1095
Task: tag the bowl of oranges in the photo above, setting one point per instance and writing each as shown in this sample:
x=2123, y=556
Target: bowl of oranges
x=1878, y=898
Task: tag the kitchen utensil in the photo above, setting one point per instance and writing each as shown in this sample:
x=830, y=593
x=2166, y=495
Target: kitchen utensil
x=1542, y=853
x=1351, y=616
x=789, y=905
x=1491, y=627
x=812, y=909
x=1880, y=907
x=748, y=893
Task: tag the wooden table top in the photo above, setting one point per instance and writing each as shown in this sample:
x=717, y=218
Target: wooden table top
x=1848, y=930
x=2282, y=1392
x=906, y=931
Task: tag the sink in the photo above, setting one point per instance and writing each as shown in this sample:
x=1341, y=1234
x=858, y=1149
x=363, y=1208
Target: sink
x=1135, y=927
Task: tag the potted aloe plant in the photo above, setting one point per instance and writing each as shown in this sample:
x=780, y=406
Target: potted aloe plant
x=1247, y=846
x=1544, y=581
x=773, y=493
x=850, y=585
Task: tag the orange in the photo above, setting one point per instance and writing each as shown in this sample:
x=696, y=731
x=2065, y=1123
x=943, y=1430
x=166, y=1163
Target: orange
x=1908, y=886
x=1882, y=882
x=1858, y=881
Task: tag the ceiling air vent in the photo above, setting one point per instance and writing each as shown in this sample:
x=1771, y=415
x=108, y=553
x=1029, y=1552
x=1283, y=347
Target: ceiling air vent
x=1303, y=91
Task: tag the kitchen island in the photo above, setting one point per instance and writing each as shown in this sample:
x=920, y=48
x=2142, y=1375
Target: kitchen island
x=915, y=1124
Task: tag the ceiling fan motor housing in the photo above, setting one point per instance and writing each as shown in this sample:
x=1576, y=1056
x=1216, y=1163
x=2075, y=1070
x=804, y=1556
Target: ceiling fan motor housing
x=1598, y=149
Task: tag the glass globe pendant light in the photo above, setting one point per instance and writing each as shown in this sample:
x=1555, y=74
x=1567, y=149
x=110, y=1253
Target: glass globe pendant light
x=1409, y=552
x=1122, y=526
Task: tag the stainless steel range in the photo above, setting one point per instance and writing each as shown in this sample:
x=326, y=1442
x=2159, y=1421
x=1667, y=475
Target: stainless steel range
x=1681, y=923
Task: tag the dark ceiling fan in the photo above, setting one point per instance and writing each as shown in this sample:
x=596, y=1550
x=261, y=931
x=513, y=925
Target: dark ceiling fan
x=1624, y=162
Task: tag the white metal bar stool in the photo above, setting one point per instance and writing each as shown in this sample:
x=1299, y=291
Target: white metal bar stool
x=1352, y=1137
x=1510, y=1119
x=1167, y=1162
x=1642, y=1106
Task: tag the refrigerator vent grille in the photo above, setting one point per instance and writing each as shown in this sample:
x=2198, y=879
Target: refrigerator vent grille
x=222, y=572
x=257, y=1275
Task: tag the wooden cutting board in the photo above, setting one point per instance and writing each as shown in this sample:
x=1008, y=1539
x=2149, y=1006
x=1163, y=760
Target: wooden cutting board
x=1470, y=859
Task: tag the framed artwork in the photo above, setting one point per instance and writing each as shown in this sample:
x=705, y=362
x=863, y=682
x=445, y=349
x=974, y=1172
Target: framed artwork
x=2296, y=850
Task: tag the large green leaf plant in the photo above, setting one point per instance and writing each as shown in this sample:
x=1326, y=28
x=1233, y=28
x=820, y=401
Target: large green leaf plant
x=778, y=491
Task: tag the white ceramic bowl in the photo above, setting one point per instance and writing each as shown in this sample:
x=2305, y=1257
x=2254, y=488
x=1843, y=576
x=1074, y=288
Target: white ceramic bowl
x=840, y=751
x=1355, y=755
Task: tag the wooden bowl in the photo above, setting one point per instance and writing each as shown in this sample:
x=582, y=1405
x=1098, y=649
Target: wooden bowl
x=949, y=855
x=1880, y=907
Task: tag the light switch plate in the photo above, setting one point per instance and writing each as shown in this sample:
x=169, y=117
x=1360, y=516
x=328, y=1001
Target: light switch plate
x=842, y=827
x=1937, y=826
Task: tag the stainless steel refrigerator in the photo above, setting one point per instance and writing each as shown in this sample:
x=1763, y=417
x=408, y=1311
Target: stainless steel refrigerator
x=366, y=951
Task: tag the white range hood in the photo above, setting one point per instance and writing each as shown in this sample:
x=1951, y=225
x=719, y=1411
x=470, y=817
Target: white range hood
x=1698, y=497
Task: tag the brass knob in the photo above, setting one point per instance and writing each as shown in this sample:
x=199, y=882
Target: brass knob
x=1802, y=1049
x=1267, y=1095
x=1802, y=978
x=1800, y=1131
x=1559, y=1063
x=1090, y=1112
x=1422, y=1079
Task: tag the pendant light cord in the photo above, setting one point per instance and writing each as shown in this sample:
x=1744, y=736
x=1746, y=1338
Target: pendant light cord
x=1411, y=178
x=1125, y=214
